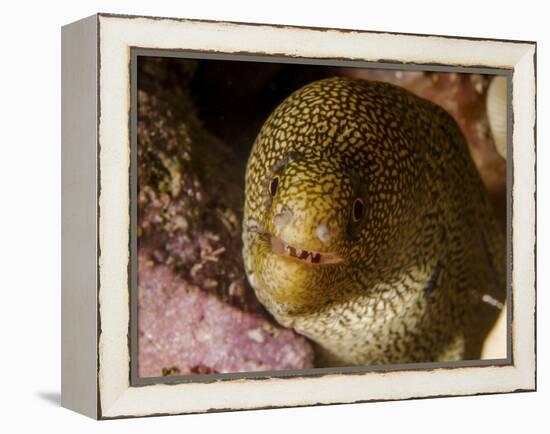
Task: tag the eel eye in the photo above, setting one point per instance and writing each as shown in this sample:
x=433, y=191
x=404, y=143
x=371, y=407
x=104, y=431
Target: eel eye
x=358, y=210
x=274, y=185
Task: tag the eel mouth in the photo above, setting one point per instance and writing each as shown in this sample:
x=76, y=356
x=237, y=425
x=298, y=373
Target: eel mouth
x=279, y=247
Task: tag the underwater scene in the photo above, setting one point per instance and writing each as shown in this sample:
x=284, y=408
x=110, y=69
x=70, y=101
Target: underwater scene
x=295, y=216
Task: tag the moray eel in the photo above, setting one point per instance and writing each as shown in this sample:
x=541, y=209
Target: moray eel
x=367, y=228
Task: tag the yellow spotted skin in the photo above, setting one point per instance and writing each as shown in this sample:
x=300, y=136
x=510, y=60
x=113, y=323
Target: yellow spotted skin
x=422, y=259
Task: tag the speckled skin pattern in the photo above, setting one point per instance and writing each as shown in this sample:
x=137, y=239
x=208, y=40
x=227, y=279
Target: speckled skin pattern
x=418, y=265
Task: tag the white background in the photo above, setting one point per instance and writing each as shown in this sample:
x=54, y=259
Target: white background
x=30, y=217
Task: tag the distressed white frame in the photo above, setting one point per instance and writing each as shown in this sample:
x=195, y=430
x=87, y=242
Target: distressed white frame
x=115, y=397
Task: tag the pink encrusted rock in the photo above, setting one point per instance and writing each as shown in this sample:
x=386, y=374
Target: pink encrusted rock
x=185, y=330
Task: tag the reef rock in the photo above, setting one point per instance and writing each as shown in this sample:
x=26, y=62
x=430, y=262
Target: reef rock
x=196, y=313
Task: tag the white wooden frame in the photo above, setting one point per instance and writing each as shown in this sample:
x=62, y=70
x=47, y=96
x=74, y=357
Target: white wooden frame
x=96, y=194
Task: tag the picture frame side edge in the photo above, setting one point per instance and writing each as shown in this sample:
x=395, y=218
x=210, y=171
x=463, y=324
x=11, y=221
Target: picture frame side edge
x=79, y=257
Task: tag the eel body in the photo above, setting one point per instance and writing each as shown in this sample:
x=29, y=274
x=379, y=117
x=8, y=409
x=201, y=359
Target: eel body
x=367, y=228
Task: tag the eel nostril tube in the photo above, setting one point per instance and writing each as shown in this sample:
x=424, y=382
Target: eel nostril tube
x=282, y=219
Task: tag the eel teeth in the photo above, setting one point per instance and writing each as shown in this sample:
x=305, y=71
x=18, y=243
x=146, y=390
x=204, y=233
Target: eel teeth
x=284, y=249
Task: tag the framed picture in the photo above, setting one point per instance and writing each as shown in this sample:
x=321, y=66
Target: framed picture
x=260, y=216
